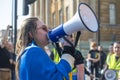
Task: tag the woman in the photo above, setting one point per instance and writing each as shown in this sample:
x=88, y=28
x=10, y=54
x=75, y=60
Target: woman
x=33, y=63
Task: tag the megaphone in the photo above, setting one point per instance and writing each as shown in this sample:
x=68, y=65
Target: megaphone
x=110, y=75
x=84, y=19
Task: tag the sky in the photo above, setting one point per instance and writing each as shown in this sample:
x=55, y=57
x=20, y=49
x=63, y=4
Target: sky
x=6, y=13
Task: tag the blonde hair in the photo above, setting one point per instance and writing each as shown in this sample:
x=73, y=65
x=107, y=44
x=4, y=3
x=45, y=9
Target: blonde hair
x=24, y=38
x=93, y=44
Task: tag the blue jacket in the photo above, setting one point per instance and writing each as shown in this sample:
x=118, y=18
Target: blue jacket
x=35, y=64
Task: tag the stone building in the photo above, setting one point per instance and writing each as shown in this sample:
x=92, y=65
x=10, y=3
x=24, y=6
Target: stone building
x=56, y=12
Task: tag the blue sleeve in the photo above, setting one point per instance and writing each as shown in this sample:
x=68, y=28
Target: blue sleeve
x=41, y=66
x=74, y=77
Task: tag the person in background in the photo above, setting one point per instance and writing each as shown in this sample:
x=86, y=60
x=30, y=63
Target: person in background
x=56, y=52
x=81, y=66
x=79, y=72
x=94, y=58
x=88, y=65
x=109, y=53
x=52, y=54
x=102, y=57
x=105, y=67
x=33, y=63
x=12, y=59
x=114, y=59
x=7, y=55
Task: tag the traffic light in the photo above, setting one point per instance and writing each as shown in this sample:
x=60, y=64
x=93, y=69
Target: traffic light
x=26, y=7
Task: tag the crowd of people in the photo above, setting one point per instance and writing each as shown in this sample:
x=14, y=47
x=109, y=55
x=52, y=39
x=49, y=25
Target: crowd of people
x=98, y=61
x=35, y=61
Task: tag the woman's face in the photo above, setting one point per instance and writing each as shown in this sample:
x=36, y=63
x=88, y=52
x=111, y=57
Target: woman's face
x=116, y=48
x=41, y=33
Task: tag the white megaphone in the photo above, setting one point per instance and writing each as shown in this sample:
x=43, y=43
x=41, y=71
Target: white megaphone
x=84, y=19
x=110, y=75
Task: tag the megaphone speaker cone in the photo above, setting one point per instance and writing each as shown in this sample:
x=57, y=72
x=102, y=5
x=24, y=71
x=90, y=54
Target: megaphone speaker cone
x=110, y=75
x=88, y=17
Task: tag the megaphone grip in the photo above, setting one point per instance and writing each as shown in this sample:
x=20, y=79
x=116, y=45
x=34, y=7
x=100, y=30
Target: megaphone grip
x=55, y=34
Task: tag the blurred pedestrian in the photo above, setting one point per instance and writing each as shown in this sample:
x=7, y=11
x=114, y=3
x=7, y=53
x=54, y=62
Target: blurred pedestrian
x=114, y=59
x=7, y=55
x=56, y=52
x=12, y=59
x=109, y=54
x=4, y=57
x=78, y=72
x=94, y=58
x=102, y=57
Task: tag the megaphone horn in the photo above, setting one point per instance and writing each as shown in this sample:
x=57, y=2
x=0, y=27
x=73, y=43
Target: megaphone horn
x=110, y=75
x=84, y=19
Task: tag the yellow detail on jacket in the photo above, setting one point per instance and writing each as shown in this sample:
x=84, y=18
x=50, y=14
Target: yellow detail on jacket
x=113, y=64
x=56, y=58
x=108, y=58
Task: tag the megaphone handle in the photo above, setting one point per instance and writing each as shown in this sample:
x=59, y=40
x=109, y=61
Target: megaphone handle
x=77, y=38
x=68, y=41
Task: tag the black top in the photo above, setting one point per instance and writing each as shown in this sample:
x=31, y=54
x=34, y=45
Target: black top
x=102, y=59
x=4, y=58
x=13, y=57
x=94, y=54
x=82, y=61
x=80, y=54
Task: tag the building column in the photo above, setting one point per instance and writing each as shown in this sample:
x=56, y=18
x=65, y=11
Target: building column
x=47, y=10
x=41, y=10
x=31, y=10
x=36, y=9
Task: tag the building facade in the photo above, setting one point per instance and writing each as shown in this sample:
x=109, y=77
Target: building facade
x=56, y=12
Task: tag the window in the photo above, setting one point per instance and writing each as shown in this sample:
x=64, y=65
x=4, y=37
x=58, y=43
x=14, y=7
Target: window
x=112, y=14
x=60, y=17
x=54, y=20
x=67, y=14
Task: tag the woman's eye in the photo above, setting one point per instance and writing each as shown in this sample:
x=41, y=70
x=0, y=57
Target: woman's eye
x=45, y=29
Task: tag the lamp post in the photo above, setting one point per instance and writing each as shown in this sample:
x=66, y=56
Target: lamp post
x=98, y=34
x=14, y=20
